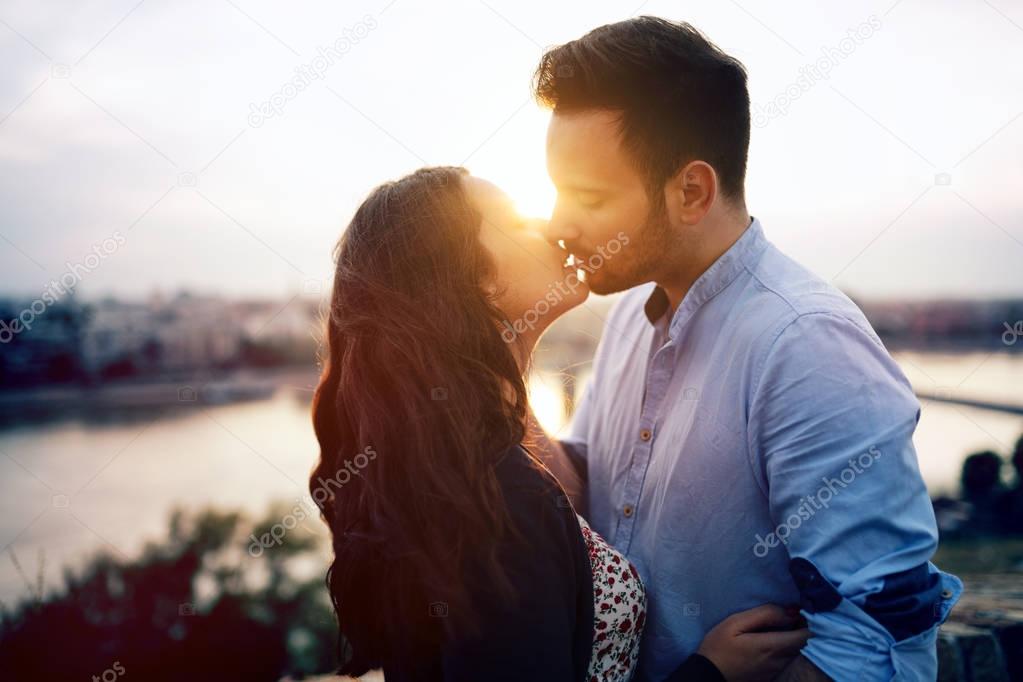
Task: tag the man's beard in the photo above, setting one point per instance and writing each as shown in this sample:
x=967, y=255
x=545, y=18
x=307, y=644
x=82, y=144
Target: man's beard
x=639, y=261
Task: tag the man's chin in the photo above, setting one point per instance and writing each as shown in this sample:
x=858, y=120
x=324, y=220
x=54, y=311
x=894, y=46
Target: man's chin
x=602, y=285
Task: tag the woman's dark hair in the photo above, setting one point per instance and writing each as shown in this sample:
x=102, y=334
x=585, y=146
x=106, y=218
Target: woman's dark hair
x=681, y=98
x=415, y=374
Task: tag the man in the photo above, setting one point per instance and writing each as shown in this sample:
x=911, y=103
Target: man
x=745, y=437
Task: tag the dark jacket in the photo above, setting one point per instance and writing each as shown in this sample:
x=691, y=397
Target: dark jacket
x=545, y=635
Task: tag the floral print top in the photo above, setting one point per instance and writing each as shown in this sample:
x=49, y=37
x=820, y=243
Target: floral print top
x=619, y=610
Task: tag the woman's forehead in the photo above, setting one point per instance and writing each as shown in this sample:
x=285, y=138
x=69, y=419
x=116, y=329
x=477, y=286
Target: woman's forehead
x=485, y=193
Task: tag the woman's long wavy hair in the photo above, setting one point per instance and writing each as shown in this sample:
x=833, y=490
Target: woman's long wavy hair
x=415, y=372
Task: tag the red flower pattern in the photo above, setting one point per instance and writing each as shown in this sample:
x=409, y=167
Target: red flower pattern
x=619, y=610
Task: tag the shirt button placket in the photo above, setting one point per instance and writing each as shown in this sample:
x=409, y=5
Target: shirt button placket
x=658, y=376
x=633, y=488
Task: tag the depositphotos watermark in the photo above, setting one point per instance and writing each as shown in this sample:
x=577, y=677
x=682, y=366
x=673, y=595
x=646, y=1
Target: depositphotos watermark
x=110, y=674
x=811, y=74
x=557, y=291
x=65, y=284
x=810, y=505
x=305, y=74
x=1012, y=333
x=301, y=511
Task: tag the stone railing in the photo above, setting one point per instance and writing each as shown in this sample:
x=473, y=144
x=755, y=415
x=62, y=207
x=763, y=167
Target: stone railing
x=983, y=638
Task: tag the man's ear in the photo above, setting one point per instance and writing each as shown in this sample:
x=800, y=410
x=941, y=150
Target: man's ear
x=691, y=192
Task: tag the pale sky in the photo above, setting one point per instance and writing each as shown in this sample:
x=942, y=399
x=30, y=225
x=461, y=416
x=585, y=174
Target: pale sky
x=898, y=176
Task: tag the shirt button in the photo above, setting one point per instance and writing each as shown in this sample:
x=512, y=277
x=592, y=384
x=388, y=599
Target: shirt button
x=627, y=510
x=645, y=435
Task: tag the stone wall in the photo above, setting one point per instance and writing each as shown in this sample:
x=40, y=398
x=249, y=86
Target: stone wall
x=983, y=638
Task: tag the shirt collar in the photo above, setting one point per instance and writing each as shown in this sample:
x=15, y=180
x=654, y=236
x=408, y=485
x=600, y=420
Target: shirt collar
x=743, y=253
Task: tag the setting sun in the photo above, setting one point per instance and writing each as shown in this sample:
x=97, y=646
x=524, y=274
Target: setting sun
x=515, y=162
x=536, y=198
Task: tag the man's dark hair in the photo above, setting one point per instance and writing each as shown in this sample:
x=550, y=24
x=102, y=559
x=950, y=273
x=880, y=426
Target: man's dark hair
x=681, y=98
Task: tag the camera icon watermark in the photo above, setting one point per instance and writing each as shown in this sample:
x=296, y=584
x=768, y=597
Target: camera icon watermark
x=564, y=71
x=60, y=71
x=312, y=286
x=691, y=609
x=186, y=609
x=61, y=501
x=438, y=393
x=438, y=609
x=187, y=394
x=942, y=179
x=188, y=179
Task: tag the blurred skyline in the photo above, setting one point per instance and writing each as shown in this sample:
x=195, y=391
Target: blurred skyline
x=896, y=175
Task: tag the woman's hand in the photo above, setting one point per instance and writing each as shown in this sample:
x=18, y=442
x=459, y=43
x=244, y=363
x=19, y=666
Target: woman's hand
x=755, y=645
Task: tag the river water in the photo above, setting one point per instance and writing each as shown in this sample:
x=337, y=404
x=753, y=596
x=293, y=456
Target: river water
x=70, y=486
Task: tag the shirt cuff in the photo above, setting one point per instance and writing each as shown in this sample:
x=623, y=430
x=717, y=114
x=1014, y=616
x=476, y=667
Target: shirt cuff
x=848, y=644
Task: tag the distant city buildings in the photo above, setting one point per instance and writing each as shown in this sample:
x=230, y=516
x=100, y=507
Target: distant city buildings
x=72, y=341
x=44, y=349
x=948, y=325
x=111, y=339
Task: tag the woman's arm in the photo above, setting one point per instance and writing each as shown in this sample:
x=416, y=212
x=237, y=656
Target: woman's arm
x=697, y=668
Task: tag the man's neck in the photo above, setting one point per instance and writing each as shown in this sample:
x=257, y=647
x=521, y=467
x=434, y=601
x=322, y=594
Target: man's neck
x=706, y=243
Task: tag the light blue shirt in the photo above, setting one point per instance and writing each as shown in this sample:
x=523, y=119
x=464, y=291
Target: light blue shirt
x=756, y=446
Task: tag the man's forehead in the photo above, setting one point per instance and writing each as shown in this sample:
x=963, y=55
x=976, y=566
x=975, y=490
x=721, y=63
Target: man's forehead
x=580, y=127
x=584, y=142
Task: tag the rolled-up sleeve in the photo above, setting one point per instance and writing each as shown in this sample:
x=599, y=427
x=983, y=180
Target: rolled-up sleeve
x=830, y=425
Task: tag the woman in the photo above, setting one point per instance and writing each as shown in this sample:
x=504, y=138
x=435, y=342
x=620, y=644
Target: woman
x=458, y=555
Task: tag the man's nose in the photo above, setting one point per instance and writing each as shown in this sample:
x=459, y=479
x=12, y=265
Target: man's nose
x=560, y=228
